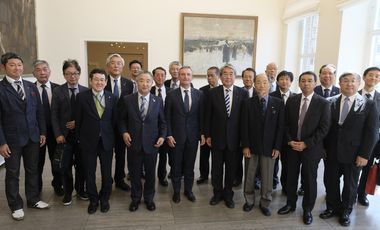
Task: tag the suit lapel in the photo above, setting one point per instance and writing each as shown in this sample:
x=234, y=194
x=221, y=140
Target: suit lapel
x=135, y=105
x=357, y=103
x=235, y=99
x=152, y=101
x=222, y=101
x=91, y=102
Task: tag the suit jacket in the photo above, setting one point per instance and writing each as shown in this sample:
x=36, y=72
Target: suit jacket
x=61, y=109
x=224, y=130
x=89, y=126
x=153, y=90
x=20, y=120
x=53, y=86
x=277, y=94
x=315, y=127
x=335, y=91
x=357, y=135
x=262, y=134
x=181, y=125
x=126, y=86
x=144, y=133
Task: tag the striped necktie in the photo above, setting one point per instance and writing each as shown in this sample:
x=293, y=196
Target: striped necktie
x=227, y=100
x=19, y=90
x=142, y=108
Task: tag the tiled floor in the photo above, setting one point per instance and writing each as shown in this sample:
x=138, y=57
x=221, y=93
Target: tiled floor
x=185, y=215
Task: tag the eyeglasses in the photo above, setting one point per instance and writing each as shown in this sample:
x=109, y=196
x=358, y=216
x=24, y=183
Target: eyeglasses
x=76, y=74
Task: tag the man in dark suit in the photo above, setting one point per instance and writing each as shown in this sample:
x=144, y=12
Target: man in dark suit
x=41, y=71
x=222, y=129
x=371, y=78
x=119, y=86
x=184, y=114
x=327, y=75
x=307, y=122
x=353, y=134
x=63, y=123
x=22, y=132
x=271, y=71
x=135, y=67
x=205, y=150
x=160, y=90
x=95, y=117
x=262, y=128
x=173, y=83
x=142, y=124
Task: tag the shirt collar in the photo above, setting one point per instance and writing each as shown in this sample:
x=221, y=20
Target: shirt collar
x=115, y=78
x=286, y=94
x=308, y=97
x=47, y=84
x=146, y=97
x=183, y=89
x=352, y=98
x=364, y=92
x=330, y=88
x=96, y=93
x=11, y=80
x=231, y=88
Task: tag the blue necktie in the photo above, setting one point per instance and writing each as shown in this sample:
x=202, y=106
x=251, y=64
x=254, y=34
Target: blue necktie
x=263, y=106
x=187, y=101
x=142, y=108
x=116, y=89
x=326, y=93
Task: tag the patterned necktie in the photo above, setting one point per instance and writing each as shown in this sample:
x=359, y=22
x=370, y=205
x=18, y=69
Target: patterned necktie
x=45, y=104
x=116, y=88
x=72, y=102
x=134, y=87
x=368, y=95
x=98, y=104
x=326, y=93
x=142, y=107
x=159, y=93
x=301, y=118
x=187, y=101
x=345, y=110
x=227, y=101
x=263, y=106
x=19, y=90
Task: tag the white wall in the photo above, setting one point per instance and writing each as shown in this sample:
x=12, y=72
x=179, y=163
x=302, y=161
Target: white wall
x=64, y=26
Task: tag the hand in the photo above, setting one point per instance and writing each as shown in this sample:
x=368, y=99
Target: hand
x=275, y=153
x=70, y=124
x=208, y=141
x=247, y=152
x=60, y=139
x=203, y=140
x=171, y=141
x=360, y=161
x=42, y=140
x=127, y=139
x=5, y=151
x=159, y=142
x=297, y=145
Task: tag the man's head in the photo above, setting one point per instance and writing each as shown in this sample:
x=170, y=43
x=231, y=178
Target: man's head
x=41, y=71
x=284, y=80
x=227, y=75
x=349, y=83
x=248, y=76
x=115, y=64
x=262, y=84
x=174, y=69
x=13, y=65
x=213, y=76
x=98, y=79
x=135, y=68
x=307, y=82
x=271, y=71
x=185, y=76
x=371, y=77
x=71, y=71
x=327, y=75
x=159, y=76
x=144, y=82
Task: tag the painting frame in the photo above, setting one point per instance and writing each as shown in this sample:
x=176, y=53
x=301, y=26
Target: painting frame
x=214, y=40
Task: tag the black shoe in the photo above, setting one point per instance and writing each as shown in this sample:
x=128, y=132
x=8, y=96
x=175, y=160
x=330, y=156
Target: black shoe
x=300, y=192
x=284, y=192
x=58, y=190
x=307, y=217
x=164, y=183
x=344, y=219
x=190, y=196
x=170, y=175
x=328, y=213
x=176, y=197
x=151, y=206
x=83, y=196
x=104, y=206
x=236, y=183
x=247, y=207
x=202, y=180
x=66, y=200
x=123, y=186
x=128, y=177
x=92, y=207
x=275, y=186
x=133, y=206
x=215, y=200
x=265, y=211
x=229, y=203
x=362, y=199
x=286, y=209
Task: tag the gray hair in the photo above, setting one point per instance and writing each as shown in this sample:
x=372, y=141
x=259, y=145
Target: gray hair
x=40, y=62
x=144, y=72
x=227, y=66
x=108, y=60
x=174, y=63
x=357, y=76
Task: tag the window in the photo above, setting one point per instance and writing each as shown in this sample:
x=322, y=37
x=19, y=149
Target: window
x=375, y=33
x=308, y=28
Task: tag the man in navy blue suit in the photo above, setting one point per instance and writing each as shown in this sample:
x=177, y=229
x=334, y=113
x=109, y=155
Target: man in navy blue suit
x=142, y=124
x=327, y=75
x=184, y=114
x=22, y=132
x=95, y=117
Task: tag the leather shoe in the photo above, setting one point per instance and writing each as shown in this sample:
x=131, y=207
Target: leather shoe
x=151, y=206
x=215, y=200
x=133, y=206
x=202, y=180
x=229, y=203
x=344, y=219
x=300, y=192
x=363, y=200
x=275, y=186
x=265, y=211
x=104, y=206
x=92, y=207
x=176, y=197
x=286, y=209
x=123, y=186
x=328, y=213
x=190, y=196
x=307, y=217
x=247, y=207
x=236, y=183
x=164, y=183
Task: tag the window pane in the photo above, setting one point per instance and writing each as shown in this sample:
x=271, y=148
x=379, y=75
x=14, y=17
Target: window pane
x=309, y=42
x=375, y=51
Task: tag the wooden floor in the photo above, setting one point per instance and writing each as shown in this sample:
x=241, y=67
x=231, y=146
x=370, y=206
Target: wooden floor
x=168, y=215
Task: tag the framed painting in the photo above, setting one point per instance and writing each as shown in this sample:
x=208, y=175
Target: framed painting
x=216, y=40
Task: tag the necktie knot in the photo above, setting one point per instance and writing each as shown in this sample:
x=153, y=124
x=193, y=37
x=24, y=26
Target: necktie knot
x=43, y=86
x=326, y=93
x=283, y=95
x=18, y=82
x=368, y=95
